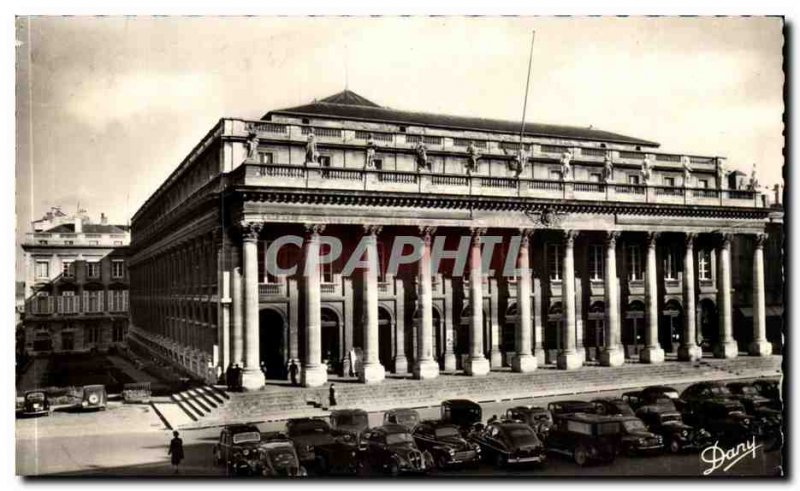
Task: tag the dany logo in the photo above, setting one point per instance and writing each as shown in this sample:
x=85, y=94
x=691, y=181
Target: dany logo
x=718, y=457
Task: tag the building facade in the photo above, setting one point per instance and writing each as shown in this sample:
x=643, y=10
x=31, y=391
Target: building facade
x=76, y=284
x=623, y=252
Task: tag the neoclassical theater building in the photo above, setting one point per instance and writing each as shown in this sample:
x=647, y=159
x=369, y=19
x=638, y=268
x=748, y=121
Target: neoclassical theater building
x=622, y=252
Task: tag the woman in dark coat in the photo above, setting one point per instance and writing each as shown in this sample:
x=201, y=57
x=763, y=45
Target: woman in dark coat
x=176, y=450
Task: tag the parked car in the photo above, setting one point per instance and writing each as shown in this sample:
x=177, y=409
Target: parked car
x=612, y=407
x=677, y=435
x=317, y=445
x=277, y=457
x=655, y=392
x=36, y=403
x=723, y=418
x=445, y=444
x=562, y=408
x=537, y=418
x=509, y=442
x=585, y=437
x=391, y=449
x=771, y=389
x=636, y=400
x=236, y=449
x=349, y=421
x=751, y=398
x=702, y=391
x=461, y=412
x=93, y=397
x=635, y=438
x=405, y=417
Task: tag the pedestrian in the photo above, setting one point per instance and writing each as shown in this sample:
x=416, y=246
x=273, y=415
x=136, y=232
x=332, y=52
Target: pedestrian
x=237, y=378
x=293, y=369
x=176, y=451
x=229, y=377
x=332, y=396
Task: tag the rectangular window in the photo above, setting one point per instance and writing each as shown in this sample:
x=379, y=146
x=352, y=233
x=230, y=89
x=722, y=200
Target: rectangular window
x=554, y=261
x=42, y=242
x=378, y=164
x=634, y=257
x=704, y=264
x=69, y=302
x=670, y=267
x=669, y=182
x=118, y=333
x=118, y=268
x=595, y=177
x=555, y=175
x=596, y=262
x=633, y=179
x=68, y=269
x=325, y=160
x=93, y=335
x=93, y=270
x=69, y=242
x=43, y=269
x=702, y=183
x=264, y=157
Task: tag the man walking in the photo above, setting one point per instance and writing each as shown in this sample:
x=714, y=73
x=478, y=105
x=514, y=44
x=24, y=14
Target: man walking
x=176, y=451
x=332, y=396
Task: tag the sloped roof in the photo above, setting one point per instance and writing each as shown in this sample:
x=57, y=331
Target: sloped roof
x=349, y=105
x=89, y=228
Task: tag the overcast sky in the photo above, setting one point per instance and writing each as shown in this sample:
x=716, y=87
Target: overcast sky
x=112, y=105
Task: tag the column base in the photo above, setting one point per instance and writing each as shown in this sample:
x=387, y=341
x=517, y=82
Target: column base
x=372, y=373
x=400, y=365
x=760, y=348
x=252, y=379
x=476, y=366
x=450, y=362
x=690, y=352
x=524, y=363
x=570, y=360
x=426, y=369
x=612, y=357
x=539, y=354
x=495, y=359
x=728, y=349
x=314, y=375
x=651, y=354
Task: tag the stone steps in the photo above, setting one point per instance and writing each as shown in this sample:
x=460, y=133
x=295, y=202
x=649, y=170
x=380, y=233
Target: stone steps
x=199, y=402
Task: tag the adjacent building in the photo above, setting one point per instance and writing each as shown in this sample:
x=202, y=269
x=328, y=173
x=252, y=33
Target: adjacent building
x=626, y=252
x=76, y=284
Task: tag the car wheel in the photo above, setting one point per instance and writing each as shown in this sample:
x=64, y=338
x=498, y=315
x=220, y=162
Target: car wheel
x=441, y=461
x=580, y=456
x=674, y=446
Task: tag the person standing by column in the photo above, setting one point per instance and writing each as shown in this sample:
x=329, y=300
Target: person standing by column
x=176, y=451
x=332, y=395
x=293, y=369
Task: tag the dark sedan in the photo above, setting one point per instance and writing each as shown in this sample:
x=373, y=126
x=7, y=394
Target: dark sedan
x=508, y=442
x=677, y=435
x=612, y=407
x=445, y=444
x=635, y=438
x=537, y=418
x=562, y=408
x=391, y=449
x=462, y=413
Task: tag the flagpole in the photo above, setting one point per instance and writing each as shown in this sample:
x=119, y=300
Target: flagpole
x=527, y=86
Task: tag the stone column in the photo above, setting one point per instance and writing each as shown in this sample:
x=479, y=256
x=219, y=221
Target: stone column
x=447, y=319
x=760, y=346
x=476, y=363
x=252, y=377
x=727, y=347
x=371, y=369
x=689, y=351
x=425, y=365
x=569, y=358
x=612, y=355
x=523, y=360
x=237, y=318
x=652, y=352
x=400, y=359
x=314, y=372
x=538, y=344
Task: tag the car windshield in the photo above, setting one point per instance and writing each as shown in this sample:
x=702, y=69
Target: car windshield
x=354, y=419
x=540, y=417
x=668, y=418
x=521, y=435
x=246, y=437
x=35, y=397
x=719, y=390
x=634, y=425
x=406, y=418
x=395, y=438
x=282, y=457
x=446, y=431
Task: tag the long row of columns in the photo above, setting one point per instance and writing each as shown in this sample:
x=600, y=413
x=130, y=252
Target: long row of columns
x=245, y=319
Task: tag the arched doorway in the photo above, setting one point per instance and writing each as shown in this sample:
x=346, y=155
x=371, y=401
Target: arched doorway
x=633, y=334
x=594, y=336
x=385, y=326
x=670, y=326
x=552, y=334
x=272, y=343
x=708, y=325
x=331, y=347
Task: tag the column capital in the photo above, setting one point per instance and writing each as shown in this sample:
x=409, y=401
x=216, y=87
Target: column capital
x=569, y=237
x=426, y=231
x=476, y=233
x=611, y=238
x=314, y=228
x=725, y=239
x=251, y=230
x=761, y=239
x=525, y=234
x=689, y=239
x=372, y=230
x=652, y=238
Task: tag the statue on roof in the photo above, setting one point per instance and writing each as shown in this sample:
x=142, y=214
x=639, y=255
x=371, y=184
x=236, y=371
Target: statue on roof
x=608, y=168
x=647, y=169
x=252, y=146
x=720, y=171
x=752, y=185
x=520, y=161
x=566, y=166
x=370, y=160
x=472, y=158
x=311, y=148
x=687, y=169
x=422, y=157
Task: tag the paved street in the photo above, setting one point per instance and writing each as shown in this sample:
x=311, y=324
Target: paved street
x=132, y=440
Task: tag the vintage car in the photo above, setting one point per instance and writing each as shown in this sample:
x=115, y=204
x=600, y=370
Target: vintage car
x=612, y=407
x=635, y=438
x=751, y=398
x=93, y=397
x=723, y=418
x=702, y=391
x=36, y=403
x=636, y=400
x=461, y=412
x=277, y=457
x=509, y=442
x=445, y=444
x=677, y=435
x=349, y=422
x=405, y=417
x=316, y=444
x=391, y=449
x=562, y=408
x=537, y=418
x=655, y=392
x=585, y=437
x=236, y=449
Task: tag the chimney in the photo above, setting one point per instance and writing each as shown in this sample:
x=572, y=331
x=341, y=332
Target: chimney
x=78, y=225
x=103, y=219
x=778, y=195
